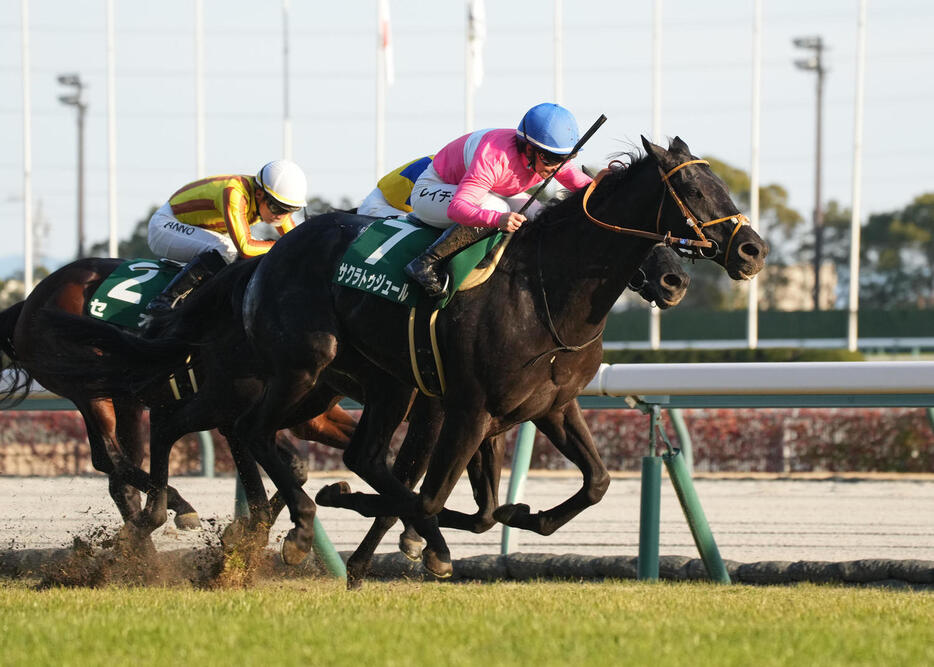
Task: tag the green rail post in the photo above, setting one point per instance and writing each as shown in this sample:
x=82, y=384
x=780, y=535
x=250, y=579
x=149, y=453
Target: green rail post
x=324, y=549
x=694, y=513
x=241, y=506
x=206, y=442
x=684, y=436
x=321, y=545
x=650, y=506
x=521, y=459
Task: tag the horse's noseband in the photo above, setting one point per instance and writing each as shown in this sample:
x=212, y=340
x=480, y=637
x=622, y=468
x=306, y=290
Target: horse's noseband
x=637, y=281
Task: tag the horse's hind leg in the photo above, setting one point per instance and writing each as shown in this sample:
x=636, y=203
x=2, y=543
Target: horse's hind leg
x=125, y=497
x=568, y=431
x=131, y=434
x=106, y=455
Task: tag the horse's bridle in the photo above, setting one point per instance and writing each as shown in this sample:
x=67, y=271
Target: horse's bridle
x=695, y=246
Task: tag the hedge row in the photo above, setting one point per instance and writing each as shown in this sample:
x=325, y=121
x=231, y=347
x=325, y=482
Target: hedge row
x=763, y=440
x=741, y=355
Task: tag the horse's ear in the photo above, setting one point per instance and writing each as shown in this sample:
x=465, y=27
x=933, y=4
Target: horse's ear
x=656, y=152
x=677, y=144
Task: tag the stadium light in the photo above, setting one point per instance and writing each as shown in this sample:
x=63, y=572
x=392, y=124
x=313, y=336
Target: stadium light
x=74, y=99
x=815, y=63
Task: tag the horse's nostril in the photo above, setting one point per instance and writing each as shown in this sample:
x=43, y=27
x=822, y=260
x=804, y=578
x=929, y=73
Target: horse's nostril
x=753, y=250
x=671, y=280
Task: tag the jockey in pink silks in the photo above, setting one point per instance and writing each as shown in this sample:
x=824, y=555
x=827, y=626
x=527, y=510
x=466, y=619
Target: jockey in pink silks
x=476, y=184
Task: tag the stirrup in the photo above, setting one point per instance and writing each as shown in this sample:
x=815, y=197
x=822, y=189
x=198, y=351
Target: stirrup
x=443, y=294
x=434, y=293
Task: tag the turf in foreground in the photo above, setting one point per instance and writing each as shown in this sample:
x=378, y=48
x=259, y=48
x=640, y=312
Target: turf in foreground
x=315, y=622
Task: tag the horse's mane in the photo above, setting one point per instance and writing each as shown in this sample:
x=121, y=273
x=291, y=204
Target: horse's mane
x=623, y=170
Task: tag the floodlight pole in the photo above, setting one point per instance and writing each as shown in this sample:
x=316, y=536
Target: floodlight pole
x=75, y=99
x=815, y=63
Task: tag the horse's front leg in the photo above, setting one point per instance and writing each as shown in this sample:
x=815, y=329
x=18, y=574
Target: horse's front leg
x=366, y=456
x=253, y=529
x=425, y=419
x=463, y=431
x=568, y=431
x=298, y=542
x=484, y=471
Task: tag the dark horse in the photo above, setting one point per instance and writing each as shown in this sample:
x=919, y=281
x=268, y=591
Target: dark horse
x=660, y=280
x=34, y=349
x=226, y=387
x=517, y=348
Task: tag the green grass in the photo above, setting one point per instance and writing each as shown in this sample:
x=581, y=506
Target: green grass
x=313, y=622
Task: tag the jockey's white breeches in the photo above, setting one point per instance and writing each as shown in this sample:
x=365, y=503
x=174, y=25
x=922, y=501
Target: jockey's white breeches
x=431, y=196
x=376, y=205
x=173, y=239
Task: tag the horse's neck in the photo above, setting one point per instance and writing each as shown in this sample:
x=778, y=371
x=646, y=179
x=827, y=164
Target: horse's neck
x=584, y=269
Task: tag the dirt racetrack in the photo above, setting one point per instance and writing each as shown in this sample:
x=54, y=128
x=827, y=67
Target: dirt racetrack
x=753, y=520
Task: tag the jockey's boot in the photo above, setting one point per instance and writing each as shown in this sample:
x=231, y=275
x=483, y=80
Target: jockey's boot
x=424, y=268
x=192, y=274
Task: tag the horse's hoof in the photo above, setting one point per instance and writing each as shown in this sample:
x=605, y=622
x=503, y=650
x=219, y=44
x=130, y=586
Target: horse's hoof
x=132, y=541
x=516, y=515
x=354, y=583
x=328, y=495
x=292, y=553
x=438, y=565
x=234, y=533
x=189, y=521
x=411, y=548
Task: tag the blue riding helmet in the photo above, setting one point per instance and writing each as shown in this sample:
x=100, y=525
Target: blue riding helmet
x=550, y=127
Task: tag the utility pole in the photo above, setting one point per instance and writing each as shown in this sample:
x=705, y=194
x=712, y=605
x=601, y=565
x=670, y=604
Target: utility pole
x=74, y=99
x=815, y=63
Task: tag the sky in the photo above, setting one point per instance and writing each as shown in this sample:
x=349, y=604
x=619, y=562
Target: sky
x=706, y=97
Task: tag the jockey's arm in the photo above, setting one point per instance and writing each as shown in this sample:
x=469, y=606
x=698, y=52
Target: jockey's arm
x=572, y=177
x=238, y=226
x=287, y=225
x=476, y=184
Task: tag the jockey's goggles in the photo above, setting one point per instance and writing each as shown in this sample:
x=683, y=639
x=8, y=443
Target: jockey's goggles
x=552, y=159
x=278, y=208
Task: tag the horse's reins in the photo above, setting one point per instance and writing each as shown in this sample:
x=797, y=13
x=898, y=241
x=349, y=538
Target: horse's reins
x=552, y=329
x=701, y=242
x=698, y=227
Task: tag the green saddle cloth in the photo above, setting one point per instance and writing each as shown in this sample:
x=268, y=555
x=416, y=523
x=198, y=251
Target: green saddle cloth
x=374, y=262
x=123, y=296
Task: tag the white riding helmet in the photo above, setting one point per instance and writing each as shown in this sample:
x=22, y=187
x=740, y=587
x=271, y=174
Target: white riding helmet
x=284, y=181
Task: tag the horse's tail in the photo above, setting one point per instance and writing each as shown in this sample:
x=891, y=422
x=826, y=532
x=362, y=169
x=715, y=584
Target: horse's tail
x=104, y=360
x=16, y=381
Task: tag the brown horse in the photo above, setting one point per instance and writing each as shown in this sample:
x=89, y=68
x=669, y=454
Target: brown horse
x=517, y=348
x=114, y=423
